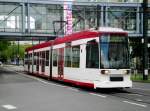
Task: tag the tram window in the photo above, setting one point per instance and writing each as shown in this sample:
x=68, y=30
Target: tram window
x=37, y=62
x=34, y=58
x=37, y=55
x=68, y=56
x=47, y=58
x=92, y=54
x=54, y=57
x=43, y=57
x=75, y=56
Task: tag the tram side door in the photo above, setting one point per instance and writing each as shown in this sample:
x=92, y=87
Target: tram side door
x=37, y=62
x=61, y=63
x=43, y=62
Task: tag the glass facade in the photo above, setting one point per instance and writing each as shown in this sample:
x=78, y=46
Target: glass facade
x=122, y=17
x=85, y=17
x=10, y=18
x=49, y=18
x=113, y=1
x=43, y=16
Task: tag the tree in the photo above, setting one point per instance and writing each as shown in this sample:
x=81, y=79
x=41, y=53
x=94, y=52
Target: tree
x=9, y=51
x=3, y=46
x=12, y=51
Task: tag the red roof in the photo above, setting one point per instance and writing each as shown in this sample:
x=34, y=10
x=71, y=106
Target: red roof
x=69, y=38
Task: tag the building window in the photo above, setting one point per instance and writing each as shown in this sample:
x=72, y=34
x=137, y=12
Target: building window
x=55, y=57
x=92, y=54
x=76, y=56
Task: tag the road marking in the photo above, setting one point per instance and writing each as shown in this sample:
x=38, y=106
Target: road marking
x=142, y=89
x=137, y=104
x=73, y=89
x=57, y=85
x=138, y=100
x=9, y=107
x=98, y=95
x=136, y=95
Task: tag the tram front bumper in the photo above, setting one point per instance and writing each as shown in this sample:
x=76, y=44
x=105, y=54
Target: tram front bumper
x=109, y=84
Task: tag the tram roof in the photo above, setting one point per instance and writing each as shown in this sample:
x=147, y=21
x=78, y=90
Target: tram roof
x=92, y=33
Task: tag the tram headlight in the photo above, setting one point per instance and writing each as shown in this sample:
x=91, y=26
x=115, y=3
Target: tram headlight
x=126, y=71
x=105, y=71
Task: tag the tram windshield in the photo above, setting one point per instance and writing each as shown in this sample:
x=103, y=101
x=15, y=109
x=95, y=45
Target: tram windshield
x=114, y=52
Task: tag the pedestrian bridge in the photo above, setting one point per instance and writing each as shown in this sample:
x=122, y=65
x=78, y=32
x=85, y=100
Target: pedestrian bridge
x=44, y=19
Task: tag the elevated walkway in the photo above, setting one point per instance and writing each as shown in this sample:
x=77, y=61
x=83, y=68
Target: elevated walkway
x=34, y=19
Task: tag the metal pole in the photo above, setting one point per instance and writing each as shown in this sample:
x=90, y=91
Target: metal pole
x=98, y=16
x=18, y=54
x=14, y=52
x=32, y=56
x=61, y=25
x=145, y=39
x=102, y=16
x=27, y=14
x=106, y=16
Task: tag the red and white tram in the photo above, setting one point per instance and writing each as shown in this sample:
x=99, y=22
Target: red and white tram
x=91, y=58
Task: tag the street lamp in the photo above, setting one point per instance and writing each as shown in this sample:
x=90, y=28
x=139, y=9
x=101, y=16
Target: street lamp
x=145, y=39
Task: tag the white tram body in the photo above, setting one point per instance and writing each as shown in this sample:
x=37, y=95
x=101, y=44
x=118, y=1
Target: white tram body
x=91, y=58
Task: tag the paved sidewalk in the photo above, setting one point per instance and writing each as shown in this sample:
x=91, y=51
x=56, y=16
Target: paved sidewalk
x=19, y=68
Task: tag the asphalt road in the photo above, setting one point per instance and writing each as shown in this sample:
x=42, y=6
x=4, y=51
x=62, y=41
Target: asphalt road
x=20, y=92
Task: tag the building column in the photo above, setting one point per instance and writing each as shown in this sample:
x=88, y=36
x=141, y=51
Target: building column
x=23, y=17
x=27, y=17
x=102, y=16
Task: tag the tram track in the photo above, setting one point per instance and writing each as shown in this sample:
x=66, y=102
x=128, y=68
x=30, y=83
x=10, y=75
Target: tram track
x=132, y=99
x=130, y=95
x=126, y=94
